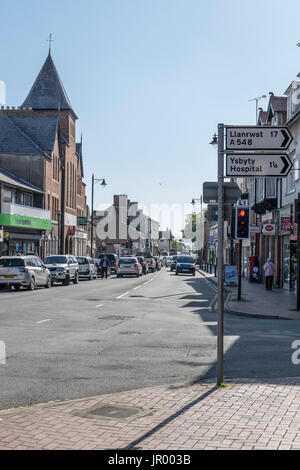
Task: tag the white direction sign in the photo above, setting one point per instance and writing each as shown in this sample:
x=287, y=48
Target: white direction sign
x=254, y=165
x=257, y=138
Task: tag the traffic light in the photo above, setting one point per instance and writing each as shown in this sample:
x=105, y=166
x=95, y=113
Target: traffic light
x=242, y=222
x=127, y=243
x=297, y=211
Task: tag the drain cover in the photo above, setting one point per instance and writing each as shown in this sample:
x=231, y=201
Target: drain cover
x=114, y=411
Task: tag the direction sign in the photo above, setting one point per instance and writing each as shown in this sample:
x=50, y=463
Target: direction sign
x=254, y=165
x=231, y=192
x=257, y=138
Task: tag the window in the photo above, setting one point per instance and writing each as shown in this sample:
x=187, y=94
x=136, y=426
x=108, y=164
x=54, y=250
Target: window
x=260, y=193
x=270, y=187
x=9, y=195
x=290, y=179
x=26, y=199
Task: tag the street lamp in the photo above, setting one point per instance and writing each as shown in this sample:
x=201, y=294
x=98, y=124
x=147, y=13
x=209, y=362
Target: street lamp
x=257, y=100
x=103, y=184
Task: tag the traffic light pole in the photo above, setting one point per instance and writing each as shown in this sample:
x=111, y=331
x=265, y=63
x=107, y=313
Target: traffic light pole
x=297, y=203
x=220, y=339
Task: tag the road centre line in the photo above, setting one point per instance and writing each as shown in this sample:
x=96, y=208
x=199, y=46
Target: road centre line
x=43, y=321
x=122, y=295
x=100, y=305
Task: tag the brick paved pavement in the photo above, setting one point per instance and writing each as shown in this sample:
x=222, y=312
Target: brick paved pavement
x=257, y=302
x=244, y=415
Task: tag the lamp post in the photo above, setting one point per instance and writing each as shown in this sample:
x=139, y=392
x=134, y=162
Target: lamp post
x=219, y=142
x=257, y=100
x=103, y=184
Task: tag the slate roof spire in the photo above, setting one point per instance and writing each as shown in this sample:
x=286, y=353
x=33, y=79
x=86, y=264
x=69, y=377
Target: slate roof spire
x=47, y=92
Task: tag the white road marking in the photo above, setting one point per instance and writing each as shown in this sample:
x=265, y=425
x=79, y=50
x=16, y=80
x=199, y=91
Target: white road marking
x=137, y=287
x=122, y=295
x=100, y=305
x=43, y=321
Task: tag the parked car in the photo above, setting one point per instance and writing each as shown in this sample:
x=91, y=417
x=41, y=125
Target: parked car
x=26, y=271
x=150, y=261
x=168, y=261
x=186, y=264
x=86, y=268
x=129, y=265
x=144, y=264
x=157, y=263
x=173, y=262
x=112, y=258
x=63, y=268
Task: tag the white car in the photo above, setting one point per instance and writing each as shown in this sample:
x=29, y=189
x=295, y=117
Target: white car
x=26, y=271
x=129, y=265
x=63, y=268
x=86, y=268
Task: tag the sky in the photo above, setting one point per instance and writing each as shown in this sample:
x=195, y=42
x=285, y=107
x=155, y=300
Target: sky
x=151, y=79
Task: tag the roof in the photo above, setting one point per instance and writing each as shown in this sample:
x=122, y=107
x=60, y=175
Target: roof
x=48, y=91
x=279, y=103
x=9, y=178
x=79, y=153
x=27, y=134
x=262, y=116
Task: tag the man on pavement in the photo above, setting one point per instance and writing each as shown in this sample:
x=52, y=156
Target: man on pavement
x=269, y=269
x=104, y=266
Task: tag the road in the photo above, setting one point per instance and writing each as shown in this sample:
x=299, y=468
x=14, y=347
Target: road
x=106, y=336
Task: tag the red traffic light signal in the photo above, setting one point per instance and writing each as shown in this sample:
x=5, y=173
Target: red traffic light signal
x=242, y=222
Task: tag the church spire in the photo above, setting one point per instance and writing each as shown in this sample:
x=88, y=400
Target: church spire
x=47, y=92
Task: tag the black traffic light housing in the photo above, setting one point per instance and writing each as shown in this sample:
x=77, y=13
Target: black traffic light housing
x=297, y=211
x=242, y=222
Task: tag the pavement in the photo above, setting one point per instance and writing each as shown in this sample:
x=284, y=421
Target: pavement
x=245, y=415
x=258, y=302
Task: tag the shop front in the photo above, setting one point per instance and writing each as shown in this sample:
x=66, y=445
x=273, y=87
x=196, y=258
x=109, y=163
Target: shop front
x=23, y=228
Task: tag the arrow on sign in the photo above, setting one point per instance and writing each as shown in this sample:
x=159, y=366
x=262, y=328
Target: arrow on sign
x=286, y=138
x=253, y=165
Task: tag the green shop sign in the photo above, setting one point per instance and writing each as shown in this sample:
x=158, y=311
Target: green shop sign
x=16, y=220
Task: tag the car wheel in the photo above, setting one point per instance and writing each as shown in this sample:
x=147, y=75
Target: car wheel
x=66, y=282
x=49, y=283
x=176, y=273
x=76, y=280
x=32, y=284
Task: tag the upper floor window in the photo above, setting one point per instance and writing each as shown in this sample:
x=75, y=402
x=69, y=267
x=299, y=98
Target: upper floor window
x=9, y=195
x=270, y=187
x=26, y=199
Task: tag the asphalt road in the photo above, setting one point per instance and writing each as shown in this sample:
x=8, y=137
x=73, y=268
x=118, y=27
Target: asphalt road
x=106, y=336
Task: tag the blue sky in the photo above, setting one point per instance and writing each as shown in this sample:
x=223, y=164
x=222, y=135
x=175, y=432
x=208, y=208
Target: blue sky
x=150, y=80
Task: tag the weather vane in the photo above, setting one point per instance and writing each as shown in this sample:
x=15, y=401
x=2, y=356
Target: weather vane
x=50, y=40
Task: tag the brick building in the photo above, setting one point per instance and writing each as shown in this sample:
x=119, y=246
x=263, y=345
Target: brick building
x=38, y=144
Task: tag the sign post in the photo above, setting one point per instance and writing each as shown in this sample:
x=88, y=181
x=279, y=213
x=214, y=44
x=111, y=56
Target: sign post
x=254, y=165
x=257, y=138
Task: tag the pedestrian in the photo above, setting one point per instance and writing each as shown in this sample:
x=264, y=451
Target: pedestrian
x=269, y=269
x=104, y=267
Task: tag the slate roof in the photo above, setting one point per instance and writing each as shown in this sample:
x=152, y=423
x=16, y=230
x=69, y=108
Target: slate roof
x=27, y=135
x=48, y=91
x=9, y=178
x=79, y=153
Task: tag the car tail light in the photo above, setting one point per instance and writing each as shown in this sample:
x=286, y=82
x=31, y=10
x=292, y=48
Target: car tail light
x=151, y=261
x=136, y=265
x=118, y=265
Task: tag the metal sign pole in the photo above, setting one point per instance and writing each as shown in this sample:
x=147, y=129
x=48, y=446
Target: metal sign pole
x=220, y=340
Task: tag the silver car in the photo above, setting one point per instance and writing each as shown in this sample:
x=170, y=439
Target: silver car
x=86, y=267
x=63, y=268
x=129, y=265
x=26, y=271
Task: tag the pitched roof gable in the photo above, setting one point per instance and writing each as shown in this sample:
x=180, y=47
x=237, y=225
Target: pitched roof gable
x=14, y=140
x=48, y=91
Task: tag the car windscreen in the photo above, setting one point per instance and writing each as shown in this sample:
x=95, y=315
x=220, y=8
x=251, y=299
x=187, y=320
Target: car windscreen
x=11, y=262
x=186, y=259
x=128, y=261
x=55, y=260
x=82, y=261
x=175, y=258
